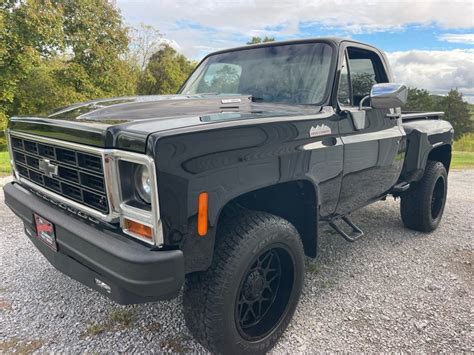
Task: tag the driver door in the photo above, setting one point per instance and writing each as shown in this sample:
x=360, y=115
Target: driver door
x=373, y=153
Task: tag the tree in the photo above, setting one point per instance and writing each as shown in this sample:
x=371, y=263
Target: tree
x=455, y=108
x=29, y=31
x=61, y=50
x=145, y=41
x=51, y=84
x=257, y=40
x=419, y=100
x=224, y=80
x=456, y=112
x=165, y=72
x=95, y=33
x=362, y=84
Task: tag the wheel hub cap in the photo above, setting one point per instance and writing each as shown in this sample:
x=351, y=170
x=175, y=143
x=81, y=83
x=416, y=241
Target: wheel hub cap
x=264, y=293
x=254, y=285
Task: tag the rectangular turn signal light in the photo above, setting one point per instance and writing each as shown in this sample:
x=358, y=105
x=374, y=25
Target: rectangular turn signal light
x=138, y=228
x=202, y=213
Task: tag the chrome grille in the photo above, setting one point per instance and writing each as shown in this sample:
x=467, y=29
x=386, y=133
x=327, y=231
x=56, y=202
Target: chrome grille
x=79, y=177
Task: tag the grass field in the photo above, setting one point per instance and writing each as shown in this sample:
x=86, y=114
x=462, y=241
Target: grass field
x=4, y=163
x=463, y=152
x=465, y=143
x=462, y=160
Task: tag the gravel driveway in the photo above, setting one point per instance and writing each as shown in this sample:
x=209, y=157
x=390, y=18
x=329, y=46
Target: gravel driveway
x=393, y=290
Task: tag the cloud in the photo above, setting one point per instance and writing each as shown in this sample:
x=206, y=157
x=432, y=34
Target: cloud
x=233, y=20
x=202, y=26
x=465, y=38
x=435, y=71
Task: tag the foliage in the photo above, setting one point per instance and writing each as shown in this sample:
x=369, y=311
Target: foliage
x=145, y=41
x=60, y=51
x=362, y=84
x=419, y=100
x=465, y=143
x=29, y=31
x=257, y=40
x=165, y=72
x=455, y=108
x=96, y=35
x=57, y=52
x=224, y=80
x=67, y=80
x=456, y=112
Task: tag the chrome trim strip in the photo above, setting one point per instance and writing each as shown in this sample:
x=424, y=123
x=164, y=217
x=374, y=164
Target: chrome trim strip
x=110, y=159
x=422, y=114
x=393, y=132
x=65, y=144
x=10, y=152
x=320, y=145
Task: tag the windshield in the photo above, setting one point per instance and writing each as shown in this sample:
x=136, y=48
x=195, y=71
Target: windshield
x=295, y=74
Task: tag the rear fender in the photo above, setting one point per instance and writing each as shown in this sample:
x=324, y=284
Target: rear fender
x=426, y=140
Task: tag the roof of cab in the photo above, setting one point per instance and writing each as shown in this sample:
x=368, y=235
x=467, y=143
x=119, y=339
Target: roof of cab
x=335, y=40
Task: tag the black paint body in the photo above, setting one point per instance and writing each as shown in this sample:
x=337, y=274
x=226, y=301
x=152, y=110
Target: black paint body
x=259, y=154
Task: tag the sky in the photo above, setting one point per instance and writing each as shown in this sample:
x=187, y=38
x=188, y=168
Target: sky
x=429, y=43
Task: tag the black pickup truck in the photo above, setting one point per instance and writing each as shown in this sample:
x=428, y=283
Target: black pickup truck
x=222, y=187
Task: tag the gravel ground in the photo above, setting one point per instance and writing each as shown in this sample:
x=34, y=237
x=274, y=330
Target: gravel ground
x=394, y=290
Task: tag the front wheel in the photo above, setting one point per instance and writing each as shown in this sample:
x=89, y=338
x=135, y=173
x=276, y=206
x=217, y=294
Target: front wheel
x=245, y=301
x=422, y=205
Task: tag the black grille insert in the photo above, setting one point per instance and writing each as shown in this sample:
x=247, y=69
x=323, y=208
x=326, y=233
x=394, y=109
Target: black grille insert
x=79, y=175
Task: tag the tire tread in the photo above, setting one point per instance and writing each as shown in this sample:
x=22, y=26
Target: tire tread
x=206, y=287
x=415, y=205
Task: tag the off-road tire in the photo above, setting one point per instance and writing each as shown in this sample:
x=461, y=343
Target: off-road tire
x=211, y=298
x=422, y=205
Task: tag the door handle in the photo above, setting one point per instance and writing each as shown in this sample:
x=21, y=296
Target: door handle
x=329, y=141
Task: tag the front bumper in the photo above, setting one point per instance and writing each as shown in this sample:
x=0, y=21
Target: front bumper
x=134, y=273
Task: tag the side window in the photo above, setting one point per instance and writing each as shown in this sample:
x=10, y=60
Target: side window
x=221, y=78
x=344, y=91
x=366, y=69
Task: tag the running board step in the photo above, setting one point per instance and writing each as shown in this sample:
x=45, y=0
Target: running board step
x=353, y=235
x=401, y=187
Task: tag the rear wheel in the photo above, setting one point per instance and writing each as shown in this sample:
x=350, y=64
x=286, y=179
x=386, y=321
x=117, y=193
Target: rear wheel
x=245, y=301
x=422, y=205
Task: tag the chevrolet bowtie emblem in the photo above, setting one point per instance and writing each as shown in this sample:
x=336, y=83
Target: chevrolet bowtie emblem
x=47, y=168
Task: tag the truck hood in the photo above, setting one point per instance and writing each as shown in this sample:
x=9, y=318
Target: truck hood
x=126, y=122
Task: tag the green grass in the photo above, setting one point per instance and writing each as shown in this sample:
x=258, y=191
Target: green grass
x=4, y=163
x=465, y=143
x=122, y=316
x=463, y=152
x=462, y=160
x=94, y=329
x=313, y=268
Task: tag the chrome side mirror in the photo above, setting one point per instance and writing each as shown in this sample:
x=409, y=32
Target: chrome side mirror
x=388, y=95
x=382, y=96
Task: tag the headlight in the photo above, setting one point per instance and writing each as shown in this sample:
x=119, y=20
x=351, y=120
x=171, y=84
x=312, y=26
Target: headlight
x=142, y=183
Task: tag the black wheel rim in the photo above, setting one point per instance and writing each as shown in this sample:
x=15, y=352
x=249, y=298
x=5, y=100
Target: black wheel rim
x=437, y=199
x=264, y=293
